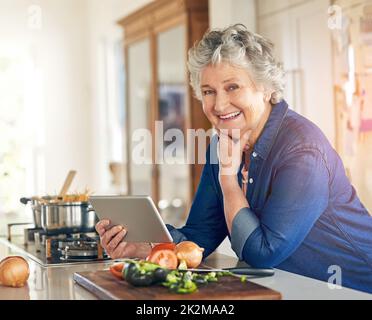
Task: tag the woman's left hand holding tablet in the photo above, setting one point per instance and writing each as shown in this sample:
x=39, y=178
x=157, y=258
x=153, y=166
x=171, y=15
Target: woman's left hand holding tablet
x=112, y=241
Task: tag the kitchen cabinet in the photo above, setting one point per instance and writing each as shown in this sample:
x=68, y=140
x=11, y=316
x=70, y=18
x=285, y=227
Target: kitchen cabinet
x=303, y=43
x=156, y=39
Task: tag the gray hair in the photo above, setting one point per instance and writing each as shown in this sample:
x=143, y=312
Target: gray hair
x=239, y=47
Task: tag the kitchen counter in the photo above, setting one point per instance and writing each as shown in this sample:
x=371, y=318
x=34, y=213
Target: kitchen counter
x=55, y=282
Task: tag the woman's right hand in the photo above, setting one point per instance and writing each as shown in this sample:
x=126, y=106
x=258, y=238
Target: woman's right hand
x=112, y=242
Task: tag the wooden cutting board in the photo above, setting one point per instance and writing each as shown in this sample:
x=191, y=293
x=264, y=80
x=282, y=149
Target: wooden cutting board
x=103, y=285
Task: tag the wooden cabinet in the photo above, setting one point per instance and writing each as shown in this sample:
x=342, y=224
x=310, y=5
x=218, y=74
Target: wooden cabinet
x=157, y=38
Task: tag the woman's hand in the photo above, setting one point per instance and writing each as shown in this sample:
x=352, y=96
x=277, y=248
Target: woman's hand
x=230, y=150
x=112, y=242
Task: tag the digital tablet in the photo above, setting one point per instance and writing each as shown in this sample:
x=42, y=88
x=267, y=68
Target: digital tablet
x=137, y=214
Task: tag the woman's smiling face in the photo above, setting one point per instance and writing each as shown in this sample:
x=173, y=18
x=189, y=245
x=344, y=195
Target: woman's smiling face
x=230, y=98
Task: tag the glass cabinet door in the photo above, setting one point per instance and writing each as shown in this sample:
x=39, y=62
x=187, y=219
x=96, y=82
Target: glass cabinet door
x=139, y=89
x=174, y=174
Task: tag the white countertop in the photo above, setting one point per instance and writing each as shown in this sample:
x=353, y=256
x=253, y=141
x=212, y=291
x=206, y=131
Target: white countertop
x=55, y=282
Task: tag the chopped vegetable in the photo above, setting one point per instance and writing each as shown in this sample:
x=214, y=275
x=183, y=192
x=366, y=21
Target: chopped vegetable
x=185, y=285
x=187, y=282
x=164, y=258
x=162, y=246
x=160, y=274
x=145, y=273
x=137, y=276
x=211, y=277
x=117, y=270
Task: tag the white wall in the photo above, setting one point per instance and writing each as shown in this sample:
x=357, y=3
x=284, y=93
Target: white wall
x=67, y=111
x=67, y=50
x=223, y=13
x=56, y=52
x=51, y=45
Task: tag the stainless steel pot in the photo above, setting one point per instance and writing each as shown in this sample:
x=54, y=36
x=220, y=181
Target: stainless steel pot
x=36, y=208
x=36, y=212
x=68, y=217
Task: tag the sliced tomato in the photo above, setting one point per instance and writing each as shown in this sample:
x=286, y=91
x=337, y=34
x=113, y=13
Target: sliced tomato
x=165, y=258
x=117, y=270
x=164, y=246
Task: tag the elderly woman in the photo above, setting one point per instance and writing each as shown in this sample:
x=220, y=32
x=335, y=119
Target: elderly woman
x=272, y=182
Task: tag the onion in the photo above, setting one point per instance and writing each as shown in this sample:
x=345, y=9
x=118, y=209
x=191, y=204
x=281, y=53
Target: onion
x=190, y=253
x=14, y=271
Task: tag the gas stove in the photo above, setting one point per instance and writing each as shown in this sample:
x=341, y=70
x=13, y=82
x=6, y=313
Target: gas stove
x=58, y=248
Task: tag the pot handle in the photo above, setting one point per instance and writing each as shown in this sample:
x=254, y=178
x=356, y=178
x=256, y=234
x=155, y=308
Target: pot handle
x=25, y=200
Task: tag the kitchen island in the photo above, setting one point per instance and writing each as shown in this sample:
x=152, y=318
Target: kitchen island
x=56, y=282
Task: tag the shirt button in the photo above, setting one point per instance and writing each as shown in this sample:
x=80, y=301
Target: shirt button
x=254, y=154
x=250, y=180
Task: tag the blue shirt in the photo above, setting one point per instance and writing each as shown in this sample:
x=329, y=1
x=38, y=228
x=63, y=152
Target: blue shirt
x=304, y=216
